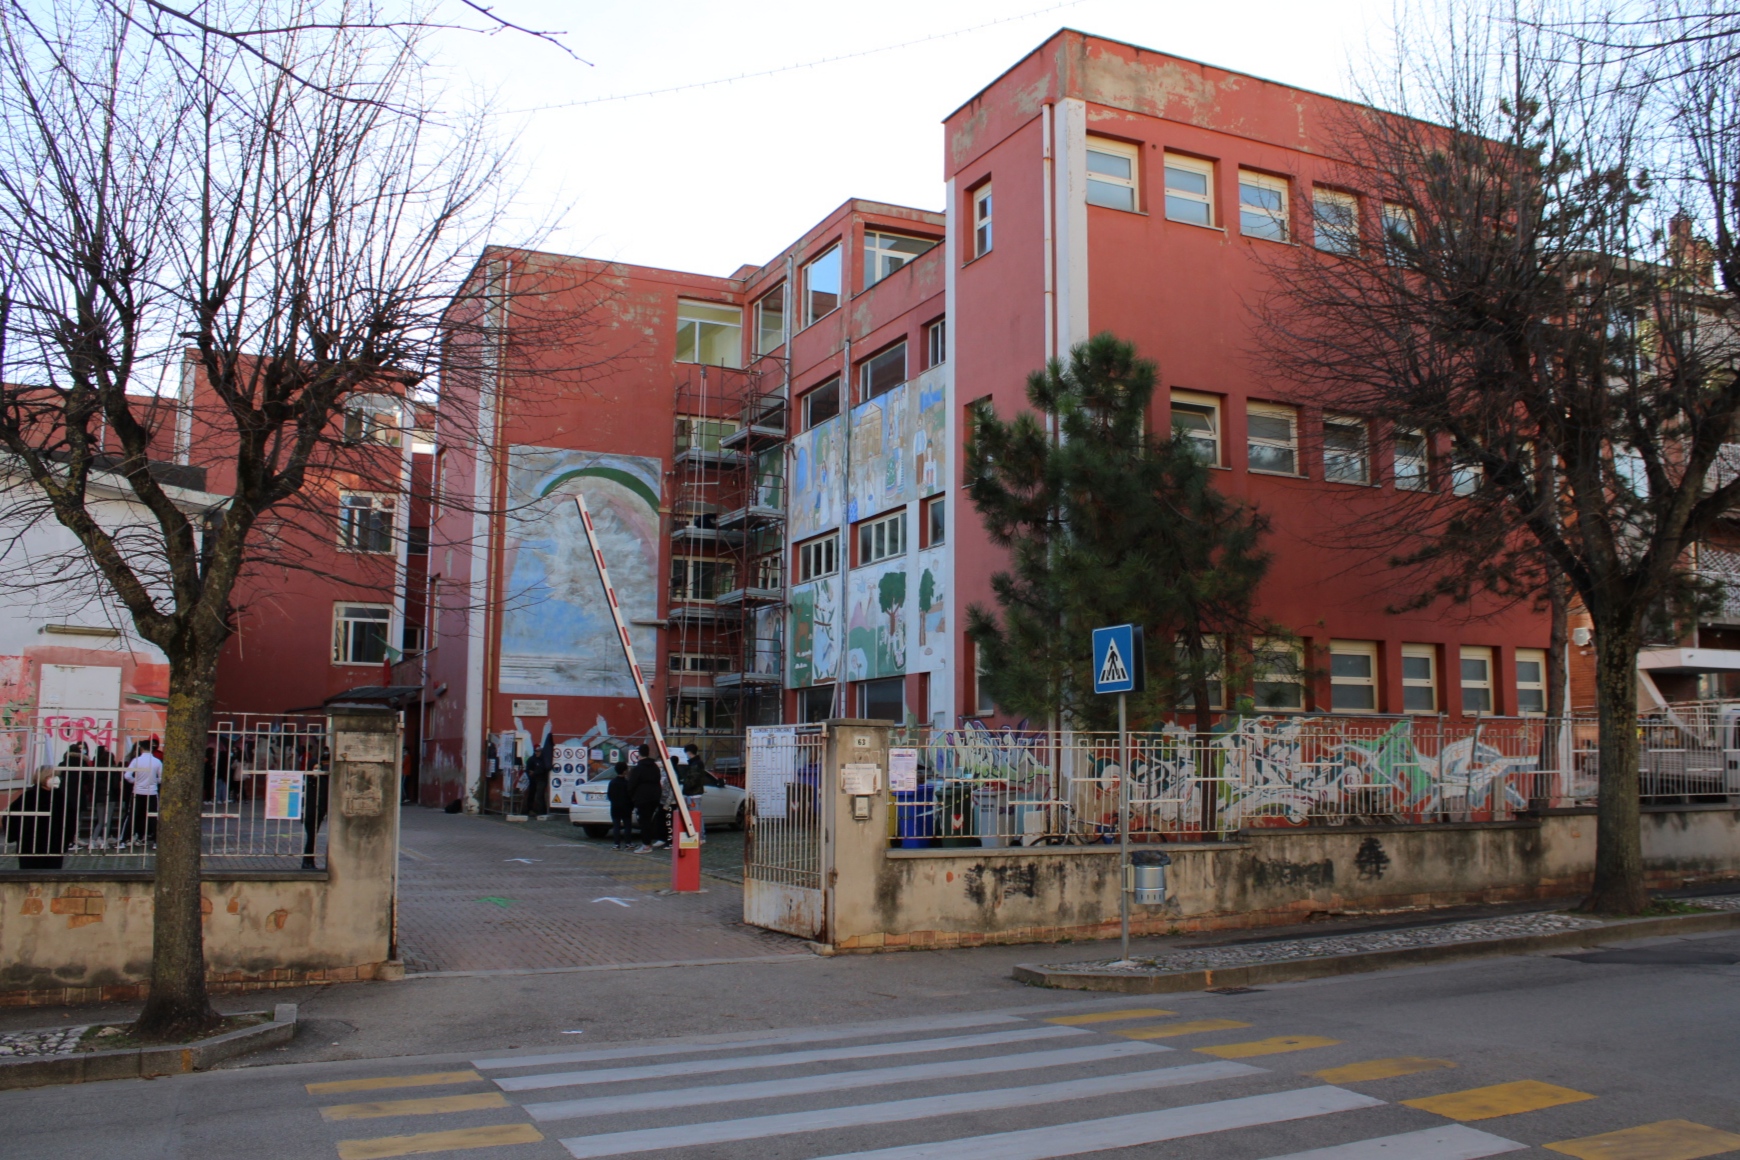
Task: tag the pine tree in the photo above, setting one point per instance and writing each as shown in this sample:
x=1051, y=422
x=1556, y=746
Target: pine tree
x=1106, y=523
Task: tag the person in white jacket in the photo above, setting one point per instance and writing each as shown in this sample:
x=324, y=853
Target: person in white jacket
x=144, y=776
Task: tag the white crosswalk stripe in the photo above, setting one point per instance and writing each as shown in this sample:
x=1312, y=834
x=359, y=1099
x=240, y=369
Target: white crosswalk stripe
x=900, y=1111
x=1454, y=1142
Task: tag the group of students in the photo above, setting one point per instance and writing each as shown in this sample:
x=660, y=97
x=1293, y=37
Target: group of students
x=85, y=792
x=642, y=795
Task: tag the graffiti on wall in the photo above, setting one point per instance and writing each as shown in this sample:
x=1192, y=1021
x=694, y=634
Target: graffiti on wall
x=815, y=497
x=815, y=632
x=557, y=634
x=876, y=622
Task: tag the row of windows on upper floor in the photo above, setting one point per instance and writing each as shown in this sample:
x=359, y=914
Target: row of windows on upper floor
x=877, y=374
x=712, y=332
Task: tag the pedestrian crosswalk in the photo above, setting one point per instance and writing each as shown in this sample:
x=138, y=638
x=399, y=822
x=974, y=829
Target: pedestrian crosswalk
x=1021, y=1085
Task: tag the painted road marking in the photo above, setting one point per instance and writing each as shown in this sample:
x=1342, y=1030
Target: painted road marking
x=430, y=1106
x=431, y=1079
x=1272, y=1046
x=1452, y=1142
x=1129, y=1131
x=423, y=1142
x=1667, y=1140
x=1501, y=1099
x=834, y=1081
x=753, y=1040
x=521, y=1083
x=1109, y=1016
x=1168, y=1030
x=898, y=1111
x=1379, y=1069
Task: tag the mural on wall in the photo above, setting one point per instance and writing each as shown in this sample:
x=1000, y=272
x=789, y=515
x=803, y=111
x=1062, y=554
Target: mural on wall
x=932, y=607
x=815, y=632
x=930, y=433
x=815, y=495
x=881, y=478
x=876, y=622
x=557, y=635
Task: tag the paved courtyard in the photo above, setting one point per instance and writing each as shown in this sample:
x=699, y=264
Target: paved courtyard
x=480, y=894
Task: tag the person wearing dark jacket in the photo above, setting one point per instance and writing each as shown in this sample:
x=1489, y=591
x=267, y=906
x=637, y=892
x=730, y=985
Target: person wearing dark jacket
x=645, y=782
x=621, y=806
x=694, y=785
x=38, y=821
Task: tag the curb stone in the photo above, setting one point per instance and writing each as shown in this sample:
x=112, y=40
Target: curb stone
x=145, y=1062
x=1295, y=970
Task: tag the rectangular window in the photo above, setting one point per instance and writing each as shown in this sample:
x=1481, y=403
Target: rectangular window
x=710, y=333
x=359, y=633
x=1353, y=676
x=886, y=253
x=1197, y=418
x=1262, y=206
x=881, y=373
x=823, y=403
x=1466, y=471
x=883, y=700
x=1189, y=190
x=1334, y=221
x=695, y=580
x=881, y=539
x=935, y=522
x=1111, y=174
x=411, y=640
x=1272, y=438
x=818, y=557
x=1531, y=681
x=815, y=703
x=1413, y=460
x=416, y=541
x=1399, y=233
x=372, y=419
x=936, y=341
x=365, y=521
x=701, y=662
x=1346, y=451
x=1215, y=663
x=983, y=706
x=1419, y=678
x=982, y=221
x=822, y=285
x=701, y=434
x=1280, y=675
x=1476, y=680
x=770, y=321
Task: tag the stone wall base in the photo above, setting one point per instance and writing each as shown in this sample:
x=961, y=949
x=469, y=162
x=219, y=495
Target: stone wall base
x=228, y=983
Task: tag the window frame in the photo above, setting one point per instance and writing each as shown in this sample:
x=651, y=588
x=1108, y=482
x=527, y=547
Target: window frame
x=931, y=512
x=1283, y=219
x=342, y=640
x=1195, y=402
x=834, y=251
x=881, y=357
x=1272, y=410
x=1184, y=163
x=865, y=548
x=1367, y=650
x=1424, y=459
x=1211, y=645
x=806, y=401
x=1107, y=147
x=1465, y=478
x=983, y=705
x=1272, y=647
x=1364, y=452
x=983, y=215
x=936, y=342
x=1536, y=656
x=1465, y=654
x=778, y=296
x=724, y=578
x=1429, y=654
x=862, y=691
x=368, y=412
x=347, y=537
x=1391, y=213
x=736, y=344
x=827, y=547
x=873, y=256
x=1334, y=238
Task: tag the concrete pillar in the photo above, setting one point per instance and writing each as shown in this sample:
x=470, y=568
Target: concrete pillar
x=853, y=846
x=362, y=842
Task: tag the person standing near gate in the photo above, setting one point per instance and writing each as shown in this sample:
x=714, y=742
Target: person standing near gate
x=694, y=785
x=145, y=775
x=645, y=782
x=621, y=806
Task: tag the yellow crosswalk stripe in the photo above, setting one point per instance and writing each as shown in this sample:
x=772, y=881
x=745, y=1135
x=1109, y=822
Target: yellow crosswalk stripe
x=1109, y=1016
x=385, y=1146
x=1667, y=1140
x=431, y=1079
x=1273, y=1046
x=1379, y=1069
x=1501, y=1099
x=1168, y=1030
x=433, y=1105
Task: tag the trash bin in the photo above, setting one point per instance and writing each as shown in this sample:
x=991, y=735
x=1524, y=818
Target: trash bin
x=1005, y=820
x=915, y=817
x=954, y=815
x=1150, y=874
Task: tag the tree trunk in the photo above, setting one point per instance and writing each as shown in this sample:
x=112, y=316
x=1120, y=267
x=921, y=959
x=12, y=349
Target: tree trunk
x=177, y=1007
x=1619, y=887
x=1204, y=716
x=1558, y=641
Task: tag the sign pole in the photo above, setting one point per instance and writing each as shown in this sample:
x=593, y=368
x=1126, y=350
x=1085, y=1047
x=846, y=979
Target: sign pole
x=685, y=843
x=1123, y=831
x=1120, y=667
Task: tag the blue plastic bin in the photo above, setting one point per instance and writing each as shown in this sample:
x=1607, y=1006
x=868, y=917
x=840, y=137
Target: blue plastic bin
x=915, y=817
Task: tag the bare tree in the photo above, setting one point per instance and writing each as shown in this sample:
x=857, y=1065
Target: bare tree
x=1530, y=289
x=291, y=213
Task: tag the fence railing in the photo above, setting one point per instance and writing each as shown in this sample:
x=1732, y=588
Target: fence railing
x=996, y=788
x=77, y=799
x=783, y=777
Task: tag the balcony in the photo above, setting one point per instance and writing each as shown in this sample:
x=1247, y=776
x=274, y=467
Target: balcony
x=750, y=596
x=754, y=437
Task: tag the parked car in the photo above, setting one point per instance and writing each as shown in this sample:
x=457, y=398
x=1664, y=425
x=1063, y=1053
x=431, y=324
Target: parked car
x=721, y=805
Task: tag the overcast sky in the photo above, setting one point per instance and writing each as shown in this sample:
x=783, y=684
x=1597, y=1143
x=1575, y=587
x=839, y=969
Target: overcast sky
x=709, y=179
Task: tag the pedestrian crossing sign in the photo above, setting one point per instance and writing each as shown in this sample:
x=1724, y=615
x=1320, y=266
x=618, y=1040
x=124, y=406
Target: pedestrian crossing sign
x=1118, y=666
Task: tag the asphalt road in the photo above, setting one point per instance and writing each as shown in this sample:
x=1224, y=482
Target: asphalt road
x=910, y=1055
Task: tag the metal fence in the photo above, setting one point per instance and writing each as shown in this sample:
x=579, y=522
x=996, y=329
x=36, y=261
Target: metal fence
x=1690, y=751
x=982, y=787
x=783, y=839
x=75, y=797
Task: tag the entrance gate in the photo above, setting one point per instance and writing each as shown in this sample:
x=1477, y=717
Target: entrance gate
x=782, y=859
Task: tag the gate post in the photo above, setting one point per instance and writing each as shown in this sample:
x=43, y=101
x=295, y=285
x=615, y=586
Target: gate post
x=854, y=829
x=362, y=844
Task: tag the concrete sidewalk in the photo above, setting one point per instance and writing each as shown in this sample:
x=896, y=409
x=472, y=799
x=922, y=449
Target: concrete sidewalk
x=478, y=894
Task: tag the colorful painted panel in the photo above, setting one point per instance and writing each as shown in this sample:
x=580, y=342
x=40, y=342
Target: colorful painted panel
x=930, y=451
x=932, y=619
x=881, y=476
x=816, y=483
x=815, y=632
x=876, y=622
x=557, y=634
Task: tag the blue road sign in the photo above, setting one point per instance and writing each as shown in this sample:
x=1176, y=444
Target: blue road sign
x=1118, y=666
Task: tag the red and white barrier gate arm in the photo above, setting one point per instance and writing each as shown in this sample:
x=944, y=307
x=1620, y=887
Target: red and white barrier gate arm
x=686, y=848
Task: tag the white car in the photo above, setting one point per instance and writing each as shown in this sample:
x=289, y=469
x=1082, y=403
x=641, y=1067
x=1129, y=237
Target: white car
x=721, y=805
